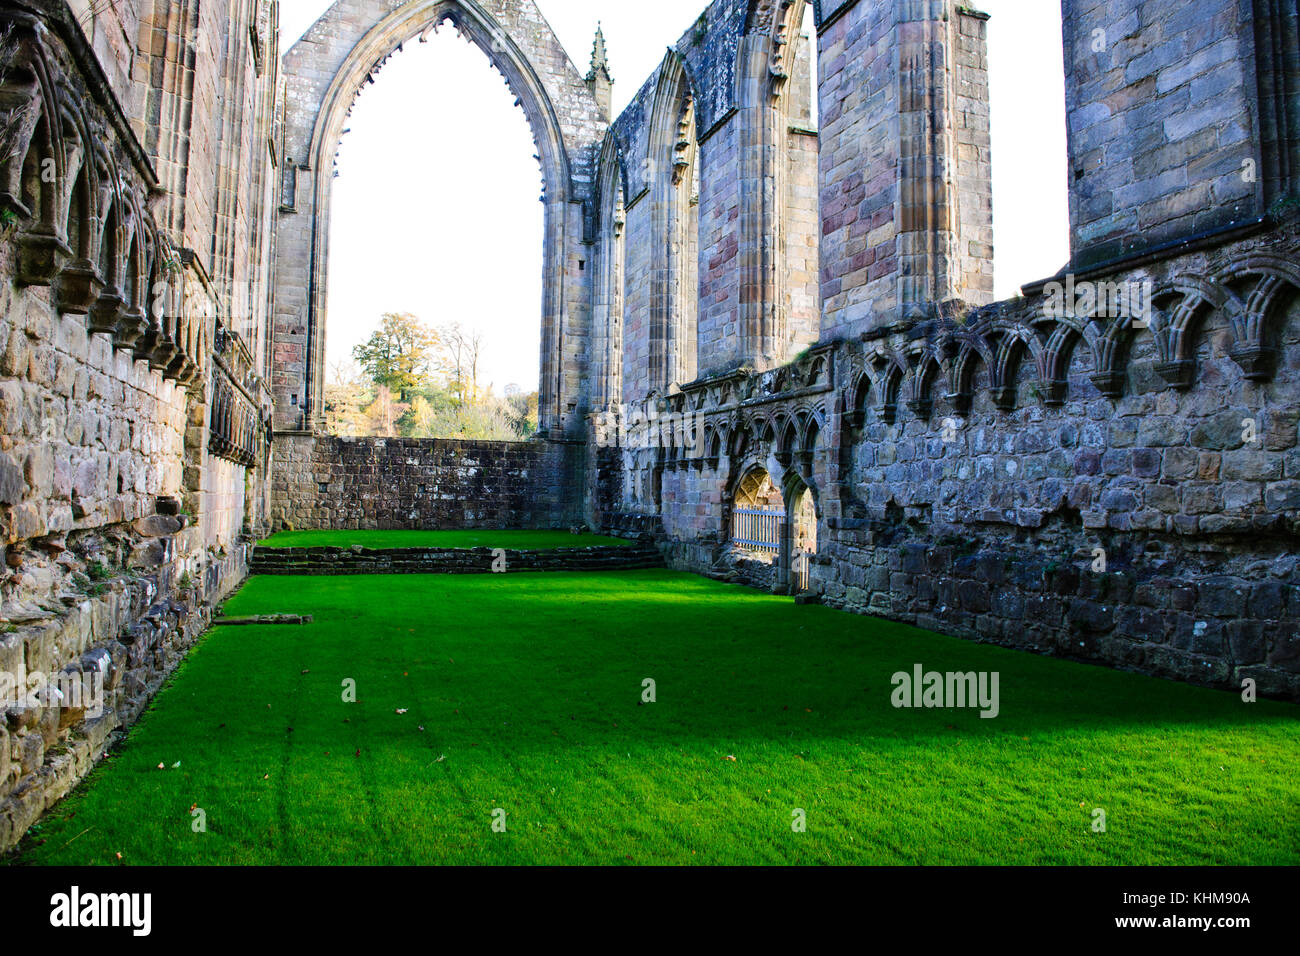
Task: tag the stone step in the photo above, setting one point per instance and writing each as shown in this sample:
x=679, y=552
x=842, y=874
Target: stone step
x=449, y=560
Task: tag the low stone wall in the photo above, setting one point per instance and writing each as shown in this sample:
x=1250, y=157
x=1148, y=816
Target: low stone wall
x=450, y=561
x=130, y=633
x=335, y=483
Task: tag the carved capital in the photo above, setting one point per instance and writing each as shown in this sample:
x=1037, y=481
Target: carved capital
x=1178, y=373
x=1257, y=361
x=79, y=287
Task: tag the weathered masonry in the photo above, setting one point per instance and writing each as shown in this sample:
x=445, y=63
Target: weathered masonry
x=769, y=335
x=138, y=157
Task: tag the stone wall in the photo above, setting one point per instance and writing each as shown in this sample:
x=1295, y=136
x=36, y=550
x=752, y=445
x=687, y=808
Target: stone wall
x=906, y=171
x=122, y=509
x=1181, y=119
x=1119, y=494
x=387, y=483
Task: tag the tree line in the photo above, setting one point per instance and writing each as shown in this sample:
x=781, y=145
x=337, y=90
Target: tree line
x=411, y=380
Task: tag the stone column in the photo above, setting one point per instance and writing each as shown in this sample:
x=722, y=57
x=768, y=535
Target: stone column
x=906, y=214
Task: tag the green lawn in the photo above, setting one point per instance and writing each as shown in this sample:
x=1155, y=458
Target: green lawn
x=522, y=692
x=378, y=540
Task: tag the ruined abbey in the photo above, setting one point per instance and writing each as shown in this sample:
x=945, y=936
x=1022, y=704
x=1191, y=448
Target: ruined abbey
x=750, y=308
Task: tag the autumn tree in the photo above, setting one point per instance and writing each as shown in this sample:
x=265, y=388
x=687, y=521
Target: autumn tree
x=400, y=355
x=383, y=413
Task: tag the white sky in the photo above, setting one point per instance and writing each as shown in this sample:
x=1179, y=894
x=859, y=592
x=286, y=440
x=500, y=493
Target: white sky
x=467, y=245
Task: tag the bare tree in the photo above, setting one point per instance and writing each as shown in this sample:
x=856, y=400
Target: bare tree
x=464, y=349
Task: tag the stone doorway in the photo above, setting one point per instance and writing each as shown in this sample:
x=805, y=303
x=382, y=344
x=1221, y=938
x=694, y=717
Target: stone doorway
x=803, y=538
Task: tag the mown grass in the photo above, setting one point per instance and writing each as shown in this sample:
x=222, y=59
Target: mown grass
x=523, y=692
x=378, y=540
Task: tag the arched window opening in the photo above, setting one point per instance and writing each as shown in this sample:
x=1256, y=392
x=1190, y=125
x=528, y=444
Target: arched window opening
x=674, y=170
x=434, y=314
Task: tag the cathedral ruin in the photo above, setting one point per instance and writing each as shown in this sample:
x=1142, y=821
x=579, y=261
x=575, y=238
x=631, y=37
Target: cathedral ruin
x=770, y=343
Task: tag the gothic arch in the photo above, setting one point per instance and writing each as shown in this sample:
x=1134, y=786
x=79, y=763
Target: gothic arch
x=323, y=73
x=673, y=167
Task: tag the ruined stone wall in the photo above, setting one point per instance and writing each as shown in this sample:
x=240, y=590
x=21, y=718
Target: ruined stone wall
x=91, y=438
x=802, y=228
x=906, y=174
x=637, y=298
x=742, y=239
x=859, y=156
x=484, y=560
x=388, y=483
x=718, y=329
x=129, y=409
x=109, y=30
x=1110, y=477
x=973, y=159
x=114, y=640
x=996, y=477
